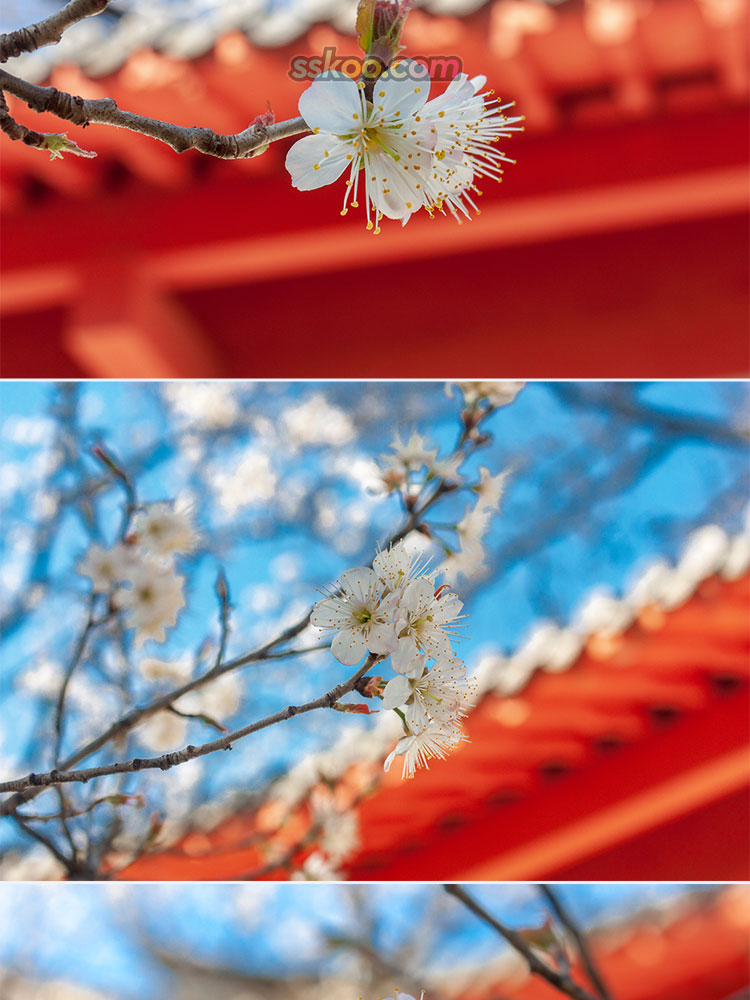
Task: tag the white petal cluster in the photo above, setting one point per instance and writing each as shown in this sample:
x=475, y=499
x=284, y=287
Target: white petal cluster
x=139, y=575
x=401, y=151
x=399, y=466
x=468, y=560
x=395, y=609
x=494, y=393
x=151, y=599
x=106, y=567
x=338, y=826
x=164, y=530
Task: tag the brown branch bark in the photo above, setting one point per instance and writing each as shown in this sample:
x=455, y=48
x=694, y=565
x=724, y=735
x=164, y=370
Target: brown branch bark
x=104, y=111
x=48, y=31
x=571, y=926
x=169, y=760
x=539, y=968
x=14, y=130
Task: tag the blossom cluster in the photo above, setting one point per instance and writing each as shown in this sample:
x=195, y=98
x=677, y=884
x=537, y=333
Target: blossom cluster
x=139, y=573
x=494, y=394
x=395, y=609
x=402, y=151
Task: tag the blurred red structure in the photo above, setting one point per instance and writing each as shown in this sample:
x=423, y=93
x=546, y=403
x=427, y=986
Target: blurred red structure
x=617, y=243
x=698, y=953
x=631, y=764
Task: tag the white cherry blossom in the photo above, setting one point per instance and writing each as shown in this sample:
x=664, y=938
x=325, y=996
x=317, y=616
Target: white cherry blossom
x=433, y=740
x=106, y=567
x=499, y=393
x=384, y=139
x=467, y=124
x=441, y=693
x=424, y=619
x=395, y=567
x=360, y=616
x=152, y=601
x=490, y=489
x=412, y=454
x=163, y=530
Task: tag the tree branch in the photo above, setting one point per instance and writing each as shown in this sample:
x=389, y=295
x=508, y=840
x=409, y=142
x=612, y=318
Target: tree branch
x=104, y=111
x=539, y=968
x=571, y=926
x=50, y=30
x=14, y=130
x=267, y=651
x=169, y=760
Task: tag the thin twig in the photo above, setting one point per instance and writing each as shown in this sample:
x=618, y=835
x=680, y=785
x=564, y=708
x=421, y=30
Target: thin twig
x=539, y=968
x=118, y=799
x=571, y=926
x=67, y=863
x=169, y=760
x=74, y=661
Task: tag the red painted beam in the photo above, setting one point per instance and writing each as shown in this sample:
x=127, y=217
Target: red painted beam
x=702, y=758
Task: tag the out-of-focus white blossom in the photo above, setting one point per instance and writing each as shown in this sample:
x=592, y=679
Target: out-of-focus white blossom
x=106, y=567
x=338, y=836
x=494, y=393
x=412, y=454
x=164, y=530
x=163, y=731
x=152, y=600
x=251, y=480
x=176, y=671
x=217, y=699
x=212, y=404
x=317, y=868
x=35, y=865
x=490, y=489
x=42, y=680
x=316, y=421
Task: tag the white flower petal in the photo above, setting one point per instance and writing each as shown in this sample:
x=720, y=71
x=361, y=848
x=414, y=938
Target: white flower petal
x=332, y=103
x=404, y=89
x=397, y=692
x=317, y=160
x=359, y=582
x=382, y=639
x=402, y=659
x=349, y=646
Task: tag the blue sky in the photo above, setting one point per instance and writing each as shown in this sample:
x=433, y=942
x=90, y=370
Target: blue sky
x=605, y=478
x=93, y=933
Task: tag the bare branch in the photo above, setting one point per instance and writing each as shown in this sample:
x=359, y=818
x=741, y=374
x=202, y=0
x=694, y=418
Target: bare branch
x=74, y=661
x=104, y=111
x=571, y=926
x=169, y=760
x=50, y=30
x=539, y=968
x=14, y=130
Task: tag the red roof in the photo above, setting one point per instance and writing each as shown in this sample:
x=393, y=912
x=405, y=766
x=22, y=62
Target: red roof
x=146, y=263
x=699, y=953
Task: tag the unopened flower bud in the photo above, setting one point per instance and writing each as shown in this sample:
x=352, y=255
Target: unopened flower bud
x=379, y=25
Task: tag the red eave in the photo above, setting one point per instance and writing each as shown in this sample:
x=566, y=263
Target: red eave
x=629, y=765
x=700, y=954
x=634, y=164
